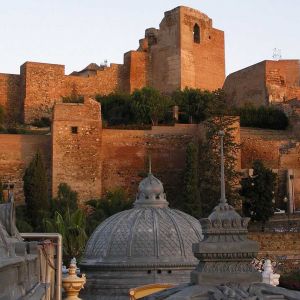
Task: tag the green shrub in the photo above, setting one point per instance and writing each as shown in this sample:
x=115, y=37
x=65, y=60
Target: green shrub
x=114, y=201
x=73, y=99
x=42, y=122
x=263, y=117
x=36, y=191
x=116, y=109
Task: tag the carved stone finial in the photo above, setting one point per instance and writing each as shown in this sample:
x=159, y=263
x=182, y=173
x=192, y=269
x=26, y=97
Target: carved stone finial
x=72, y=284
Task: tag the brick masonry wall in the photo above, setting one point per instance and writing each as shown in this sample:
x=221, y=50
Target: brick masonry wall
x=262, y=144
x=264, y=83
x=76, y=148
x=10, y=98
x=247, y=86
x=202, y=64
x=281, y=247
x=172, y=62
x=45, y=84
x=283, y=80
x=16, y=152
x=125, y=154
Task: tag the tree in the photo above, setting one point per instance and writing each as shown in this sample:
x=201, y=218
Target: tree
x=209, y=163
x=191, y=201
x=258, y=191
x=149, y=106
x=36, y=190
x=114, y=201
x=66, y=199
x=71, y=225
x=116, y=108
x=193, y=102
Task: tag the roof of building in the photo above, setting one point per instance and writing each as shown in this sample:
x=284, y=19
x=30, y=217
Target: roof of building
x=150, y=234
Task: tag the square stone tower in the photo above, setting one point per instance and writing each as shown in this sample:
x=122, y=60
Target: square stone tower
x=76, y=148
x=186, y=51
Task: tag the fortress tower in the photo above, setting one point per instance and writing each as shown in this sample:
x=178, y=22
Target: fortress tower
x=76, y=148
x=186, y=51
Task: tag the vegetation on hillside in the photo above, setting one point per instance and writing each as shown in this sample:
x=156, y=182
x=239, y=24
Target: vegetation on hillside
x=114, y=201
x=210, y=163
x=262, y=117
x=190, y=202
x=258, y=192
x=36, y=191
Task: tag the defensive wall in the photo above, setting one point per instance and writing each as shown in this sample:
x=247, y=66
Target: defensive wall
x=277, y=149
x=172, y=57
x=267, y=82
x=101, y=159
x=121, y=157
x=281, y=247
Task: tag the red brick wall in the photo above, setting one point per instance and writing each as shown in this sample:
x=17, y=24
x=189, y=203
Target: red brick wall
x=76, y=157
x=45, y=84
x=264, y=83
x=281, y=247
x=125, y=153
x=10, y=96
x=283, y=80
x=202, y=64
x=42, y=85
x=174, y=62
x=247, y=86
x=16, y=152
x=262, y=144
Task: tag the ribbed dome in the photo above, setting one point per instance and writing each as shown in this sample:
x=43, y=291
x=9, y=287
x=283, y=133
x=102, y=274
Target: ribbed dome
x=144, y=236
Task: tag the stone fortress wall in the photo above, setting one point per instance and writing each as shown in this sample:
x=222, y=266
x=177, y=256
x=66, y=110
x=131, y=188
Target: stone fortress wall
x=101, y=159
x=168, y=58
x=267, y=82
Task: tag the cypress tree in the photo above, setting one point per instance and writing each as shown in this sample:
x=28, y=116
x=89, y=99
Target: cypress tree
x=209, y=163
x=191, y=201
x=36, y=190
x=258, y=191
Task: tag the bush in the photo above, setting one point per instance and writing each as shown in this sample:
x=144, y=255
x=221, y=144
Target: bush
x=42, y=122
x=114, y=201
x=73, y=99
x=258, y=192
x=36, y=191
x=263, y=117
x=290, y=281
x=66, y=199
x=116, y=109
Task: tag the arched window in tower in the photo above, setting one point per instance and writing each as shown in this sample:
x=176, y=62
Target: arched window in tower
x=196, y=33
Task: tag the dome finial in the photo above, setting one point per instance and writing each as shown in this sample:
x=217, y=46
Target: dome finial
x=223, y=199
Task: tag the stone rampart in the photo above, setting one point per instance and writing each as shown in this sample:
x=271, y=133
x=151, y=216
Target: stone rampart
x=16, y=152
x=282, y=247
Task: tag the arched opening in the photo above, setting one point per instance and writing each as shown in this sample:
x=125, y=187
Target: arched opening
x=196, y=33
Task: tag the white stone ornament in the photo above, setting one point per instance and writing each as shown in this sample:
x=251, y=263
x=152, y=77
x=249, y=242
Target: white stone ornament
x=268, y=275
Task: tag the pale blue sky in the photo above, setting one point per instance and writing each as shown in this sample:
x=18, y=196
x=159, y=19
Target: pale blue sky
x=77, y=32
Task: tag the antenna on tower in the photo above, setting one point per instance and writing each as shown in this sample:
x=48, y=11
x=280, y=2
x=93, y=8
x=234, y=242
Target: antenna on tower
x=276, y=54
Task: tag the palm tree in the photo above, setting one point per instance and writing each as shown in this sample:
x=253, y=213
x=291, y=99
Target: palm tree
x=71, y=225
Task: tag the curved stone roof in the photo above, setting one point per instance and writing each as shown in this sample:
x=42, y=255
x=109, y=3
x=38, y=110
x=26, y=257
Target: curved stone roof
x=150, y=234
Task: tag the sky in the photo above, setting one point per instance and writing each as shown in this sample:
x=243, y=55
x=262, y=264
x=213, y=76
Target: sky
x=77, y=32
